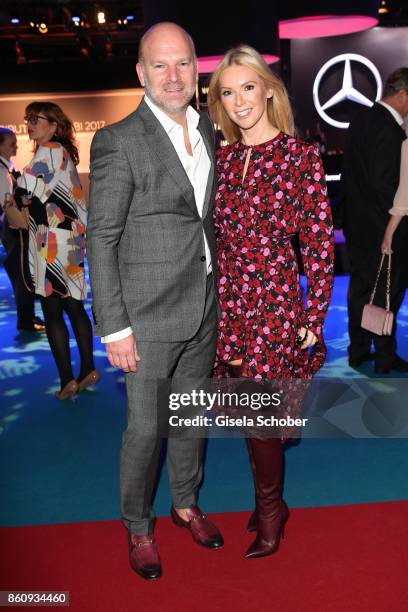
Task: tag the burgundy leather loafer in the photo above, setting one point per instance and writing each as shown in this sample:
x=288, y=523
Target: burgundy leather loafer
x=144, y=557
x=203, y=531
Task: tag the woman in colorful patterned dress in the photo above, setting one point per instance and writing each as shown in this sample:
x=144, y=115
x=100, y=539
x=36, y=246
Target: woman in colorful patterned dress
x=50, y=188
x=270, y=187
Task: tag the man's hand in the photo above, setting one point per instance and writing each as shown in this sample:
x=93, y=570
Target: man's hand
x=123, y=354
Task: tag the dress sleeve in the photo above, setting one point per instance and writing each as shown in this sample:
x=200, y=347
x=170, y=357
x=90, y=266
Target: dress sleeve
x=400, y=205
x=220, y=171
x=316, y=240
x=44, y=171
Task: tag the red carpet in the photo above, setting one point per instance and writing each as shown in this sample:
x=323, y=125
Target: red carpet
x=332, y=559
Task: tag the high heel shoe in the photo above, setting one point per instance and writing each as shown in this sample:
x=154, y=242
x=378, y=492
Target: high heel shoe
x=69, y=391
x=270, y=533
x=89, y=380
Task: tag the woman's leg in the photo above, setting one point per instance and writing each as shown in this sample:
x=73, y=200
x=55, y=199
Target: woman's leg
x=271, y=511
x=82, y=328
x=58, y=336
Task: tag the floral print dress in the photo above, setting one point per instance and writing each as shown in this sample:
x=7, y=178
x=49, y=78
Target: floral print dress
x=51, y=188
x=282, y=194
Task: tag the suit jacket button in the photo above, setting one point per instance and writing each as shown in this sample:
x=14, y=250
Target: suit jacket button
x=202, y=257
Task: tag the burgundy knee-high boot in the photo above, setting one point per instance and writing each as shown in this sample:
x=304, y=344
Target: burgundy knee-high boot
x=252, y=519
x=271, y=511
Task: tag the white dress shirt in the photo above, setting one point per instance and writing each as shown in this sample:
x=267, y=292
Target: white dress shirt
x=197, y=167
x=6, y=182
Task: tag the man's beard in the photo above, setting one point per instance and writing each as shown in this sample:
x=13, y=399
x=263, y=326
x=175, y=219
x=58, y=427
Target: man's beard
x=167, y=108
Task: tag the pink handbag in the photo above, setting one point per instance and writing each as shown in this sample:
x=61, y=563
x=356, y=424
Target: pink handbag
x=376, y=319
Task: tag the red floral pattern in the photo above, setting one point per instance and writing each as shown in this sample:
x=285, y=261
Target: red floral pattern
x=282, y=194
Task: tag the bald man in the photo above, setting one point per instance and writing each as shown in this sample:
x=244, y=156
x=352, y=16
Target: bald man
x=151, y=251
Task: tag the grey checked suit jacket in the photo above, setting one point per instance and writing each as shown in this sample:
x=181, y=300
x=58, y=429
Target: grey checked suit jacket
x=145, y=241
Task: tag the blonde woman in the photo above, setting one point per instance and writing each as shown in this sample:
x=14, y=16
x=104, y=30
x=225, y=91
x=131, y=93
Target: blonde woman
x=270, y=187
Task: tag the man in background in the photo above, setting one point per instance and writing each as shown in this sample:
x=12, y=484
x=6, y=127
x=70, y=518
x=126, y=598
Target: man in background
x=370, y=180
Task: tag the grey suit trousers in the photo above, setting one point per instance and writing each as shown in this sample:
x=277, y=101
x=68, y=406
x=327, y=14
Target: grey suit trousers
x=179, y=363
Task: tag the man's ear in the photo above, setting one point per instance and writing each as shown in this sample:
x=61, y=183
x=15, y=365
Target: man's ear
x=140, y=73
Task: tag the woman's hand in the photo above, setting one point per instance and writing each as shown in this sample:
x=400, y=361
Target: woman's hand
x=387, y=243
x=25, y=200
x=392, y=225
x=306, y=337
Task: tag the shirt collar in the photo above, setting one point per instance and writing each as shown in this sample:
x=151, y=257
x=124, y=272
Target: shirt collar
x=9, y=163
x=393, y=112
x=168, y=124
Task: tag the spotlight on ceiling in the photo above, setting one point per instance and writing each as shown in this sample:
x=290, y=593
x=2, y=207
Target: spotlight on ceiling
x=43, y=28
x=15, y=20
x=101, y=17
x=383, y=8
x=76, y=19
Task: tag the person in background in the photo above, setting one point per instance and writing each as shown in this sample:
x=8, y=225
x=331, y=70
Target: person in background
x=400, y=206
x=24, y=298
x=369, y=182
x=49, y=186
x=270, y=187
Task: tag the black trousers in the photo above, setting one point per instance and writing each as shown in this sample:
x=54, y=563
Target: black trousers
x=23, y=297
x=362, y=277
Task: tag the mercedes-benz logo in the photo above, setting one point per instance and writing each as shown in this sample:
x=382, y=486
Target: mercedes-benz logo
x=347, y=91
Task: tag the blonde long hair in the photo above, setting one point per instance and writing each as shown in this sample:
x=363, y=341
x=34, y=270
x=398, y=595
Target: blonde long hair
x=278, y=107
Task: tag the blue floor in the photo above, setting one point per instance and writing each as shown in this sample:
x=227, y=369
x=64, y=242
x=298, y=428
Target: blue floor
x=59, y=460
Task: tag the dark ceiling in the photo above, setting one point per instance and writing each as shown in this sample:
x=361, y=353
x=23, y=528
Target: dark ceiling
x=47, y=45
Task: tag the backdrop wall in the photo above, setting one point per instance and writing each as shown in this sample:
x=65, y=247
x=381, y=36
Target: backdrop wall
x=89, y=111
